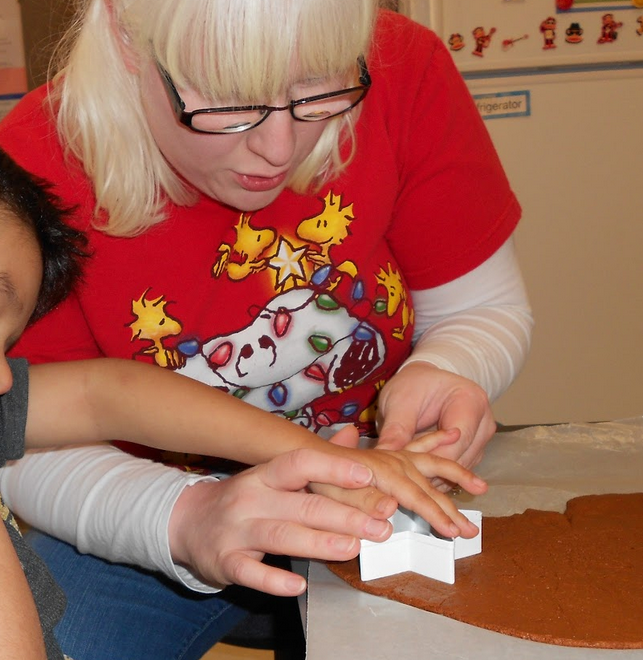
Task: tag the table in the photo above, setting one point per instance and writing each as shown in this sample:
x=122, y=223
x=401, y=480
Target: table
x=539, y=467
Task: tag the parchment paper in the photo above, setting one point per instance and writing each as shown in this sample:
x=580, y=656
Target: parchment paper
x=539, y=467
x=543, y=467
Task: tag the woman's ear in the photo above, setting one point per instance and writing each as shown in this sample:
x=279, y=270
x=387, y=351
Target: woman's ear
x=122, y=39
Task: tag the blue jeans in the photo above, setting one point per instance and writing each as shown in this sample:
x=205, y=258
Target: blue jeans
x=116, y=612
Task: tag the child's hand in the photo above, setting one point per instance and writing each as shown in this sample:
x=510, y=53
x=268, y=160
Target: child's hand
x=404, y=478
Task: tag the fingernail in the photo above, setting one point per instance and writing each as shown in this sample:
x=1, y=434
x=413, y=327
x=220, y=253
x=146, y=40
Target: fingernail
x=295, y=584
x=384, y=505
x=344, y=543
x=376, y=528
x=361, y=474
x=479, y=482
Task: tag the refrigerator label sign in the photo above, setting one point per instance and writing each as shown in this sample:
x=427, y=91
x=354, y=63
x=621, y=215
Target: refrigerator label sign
x=504, y=104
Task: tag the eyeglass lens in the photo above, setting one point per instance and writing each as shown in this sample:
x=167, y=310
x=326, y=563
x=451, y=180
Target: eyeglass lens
x=235, y=121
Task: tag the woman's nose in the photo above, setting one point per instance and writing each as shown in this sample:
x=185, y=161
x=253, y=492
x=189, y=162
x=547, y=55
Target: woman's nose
x=274, y=139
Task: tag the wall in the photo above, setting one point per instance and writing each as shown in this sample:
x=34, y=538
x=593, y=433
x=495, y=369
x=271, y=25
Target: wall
x=43, y=23
x=575, y=165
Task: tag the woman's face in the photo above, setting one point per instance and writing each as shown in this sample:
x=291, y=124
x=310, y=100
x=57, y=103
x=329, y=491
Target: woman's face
x=245, y=170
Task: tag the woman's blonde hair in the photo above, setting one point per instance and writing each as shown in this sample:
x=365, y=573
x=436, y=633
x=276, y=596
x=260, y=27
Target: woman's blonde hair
x=242, y=49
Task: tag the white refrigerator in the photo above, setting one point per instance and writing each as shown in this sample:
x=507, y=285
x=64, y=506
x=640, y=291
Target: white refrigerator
x=560, y=85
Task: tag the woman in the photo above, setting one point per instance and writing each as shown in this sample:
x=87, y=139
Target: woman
x=286, y=200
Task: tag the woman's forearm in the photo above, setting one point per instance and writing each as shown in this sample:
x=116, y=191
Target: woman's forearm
x=478, y=326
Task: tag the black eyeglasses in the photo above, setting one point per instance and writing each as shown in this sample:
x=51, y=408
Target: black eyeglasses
x=236, y=119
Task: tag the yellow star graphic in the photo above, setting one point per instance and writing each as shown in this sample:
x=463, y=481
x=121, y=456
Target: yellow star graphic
x=288, y=263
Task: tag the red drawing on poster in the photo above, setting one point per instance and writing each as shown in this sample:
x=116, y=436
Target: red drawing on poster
x=574, y=33
x=548, y=28
x=456, y=41
x=609, y=29
x=482, y=40
x=508, y=43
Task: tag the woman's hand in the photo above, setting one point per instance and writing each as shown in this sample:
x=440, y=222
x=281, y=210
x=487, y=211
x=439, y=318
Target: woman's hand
x=221, y=530
x=420, y=397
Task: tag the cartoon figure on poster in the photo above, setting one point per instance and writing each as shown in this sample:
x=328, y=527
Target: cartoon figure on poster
x=508, y=43
x=456, y=41
x=548, y=29
x=482, y=40
x=609, y=29
x=574, y=33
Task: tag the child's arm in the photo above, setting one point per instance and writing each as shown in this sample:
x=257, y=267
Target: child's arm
x=104, y=399
x=21, y=632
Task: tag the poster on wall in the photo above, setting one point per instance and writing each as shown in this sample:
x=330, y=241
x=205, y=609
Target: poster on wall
x=520, y=36
x=597, y=5
x=13, y=72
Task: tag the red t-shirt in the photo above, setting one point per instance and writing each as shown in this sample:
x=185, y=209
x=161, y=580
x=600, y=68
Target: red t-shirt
x=303, y=307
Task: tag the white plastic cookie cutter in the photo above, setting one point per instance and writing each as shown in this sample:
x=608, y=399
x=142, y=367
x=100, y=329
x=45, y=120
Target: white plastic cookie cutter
x=414, y=546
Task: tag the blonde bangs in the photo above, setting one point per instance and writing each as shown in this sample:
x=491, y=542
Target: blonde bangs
x=245, y=49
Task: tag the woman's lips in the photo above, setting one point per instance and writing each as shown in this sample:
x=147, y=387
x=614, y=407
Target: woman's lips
x=260, y=183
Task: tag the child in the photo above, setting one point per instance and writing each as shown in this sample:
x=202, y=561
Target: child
x=84, y=401
x=37, y=266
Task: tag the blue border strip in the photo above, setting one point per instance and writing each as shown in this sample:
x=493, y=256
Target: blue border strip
x=12, y=97
x=525, y=92
x=561, y=68
x=605, y=8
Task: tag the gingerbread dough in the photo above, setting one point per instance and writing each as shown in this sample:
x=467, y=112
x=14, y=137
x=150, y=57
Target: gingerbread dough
x=573, y=579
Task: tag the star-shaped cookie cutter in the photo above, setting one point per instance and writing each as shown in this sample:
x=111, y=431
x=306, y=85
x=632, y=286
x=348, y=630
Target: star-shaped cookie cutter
x=414, y=546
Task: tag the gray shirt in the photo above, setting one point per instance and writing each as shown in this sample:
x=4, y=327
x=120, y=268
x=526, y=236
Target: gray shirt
x=49, y=597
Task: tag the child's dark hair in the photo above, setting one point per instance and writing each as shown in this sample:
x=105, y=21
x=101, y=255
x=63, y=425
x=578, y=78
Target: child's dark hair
x=62, y=247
